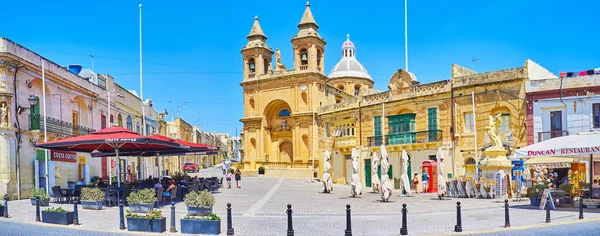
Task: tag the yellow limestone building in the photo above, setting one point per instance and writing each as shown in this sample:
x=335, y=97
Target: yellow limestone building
x=294, y=114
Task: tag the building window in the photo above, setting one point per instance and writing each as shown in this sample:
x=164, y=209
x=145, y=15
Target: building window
x=137, y=127
x=147, y=129
x=304, y=57
x=505, y=124
x=596, y=114
x=284, y=113
x=318, y=58
x=356, y=90
x=120, y=120
x=377, y=125
x=252, y=65
x=469, y=122
x=102, y=121
x=265, y=66
x=402, y=124
x=129, y=123
x=327, y=131
x=343, y=130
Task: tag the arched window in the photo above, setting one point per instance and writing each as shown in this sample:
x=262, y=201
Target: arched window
x=120, y=120
x=284, y=112
x=356, y=90
x=251, y=65
x=319, y=58
x=129, y=123
x=304, y=57
x=266, y=66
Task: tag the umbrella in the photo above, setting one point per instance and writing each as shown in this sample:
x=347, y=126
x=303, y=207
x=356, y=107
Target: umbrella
x=441, y=179
x=355, y=181
x=327, y=182
x=580, y=144
x=375, y=183
x=386, y=186
x=404, y=177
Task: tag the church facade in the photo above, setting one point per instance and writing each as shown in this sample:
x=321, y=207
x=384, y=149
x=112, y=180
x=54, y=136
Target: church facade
x=292, y=115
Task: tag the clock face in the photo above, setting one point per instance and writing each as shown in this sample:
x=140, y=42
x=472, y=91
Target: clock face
x=303, y=87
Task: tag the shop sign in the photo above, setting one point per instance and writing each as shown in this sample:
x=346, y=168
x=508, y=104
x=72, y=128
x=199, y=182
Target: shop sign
x=63, y=156
x=81, y=160
x=40, y=154
x=113, y=164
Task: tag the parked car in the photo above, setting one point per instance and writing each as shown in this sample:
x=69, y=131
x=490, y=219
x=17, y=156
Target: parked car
x=190, y=167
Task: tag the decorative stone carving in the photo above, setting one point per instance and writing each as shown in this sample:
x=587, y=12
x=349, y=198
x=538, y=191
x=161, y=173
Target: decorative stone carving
x=4, y=115
x=284, y=127
x=355, y=181
x=493, y=132
x=278, y=65
x=3, y=84
x=327, y=181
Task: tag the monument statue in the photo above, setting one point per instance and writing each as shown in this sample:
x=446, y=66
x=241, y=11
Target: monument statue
x=4, y=115
x=386, y=186
x=283, y=126
x=493, y=132
x=278, y=65
x=327, y=182
x=356, y=188
x=375, y=182
x=404, y=177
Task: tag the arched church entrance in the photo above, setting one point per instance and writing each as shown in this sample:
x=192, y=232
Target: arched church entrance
x=286, y=153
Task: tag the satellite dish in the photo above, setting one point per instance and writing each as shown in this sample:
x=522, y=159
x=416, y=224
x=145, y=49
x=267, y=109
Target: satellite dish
x=303, y=87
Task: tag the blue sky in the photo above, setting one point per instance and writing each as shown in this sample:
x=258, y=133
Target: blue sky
x=192, y=48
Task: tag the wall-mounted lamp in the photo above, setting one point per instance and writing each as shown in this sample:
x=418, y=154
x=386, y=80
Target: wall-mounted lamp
x=28, y=83
x=33, y=101
x=120, y=95
x=21, y=109
x=90, y=107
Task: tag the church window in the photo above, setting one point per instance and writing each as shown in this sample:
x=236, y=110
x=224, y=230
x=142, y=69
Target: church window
x=266, y=66
x=304, y=57
x=251, y=65
x=318, y=58
x=356, y=90
x=284, y=112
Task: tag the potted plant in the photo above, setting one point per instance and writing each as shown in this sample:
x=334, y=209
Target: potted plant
x=1, y=209
x=534, y=193
x=209, y=224
x=58, y=215
x=154, y=221
x=142, y=201
x=177, y=176
x=261, y=170
x=199, y=203
x=41, y=193
x=92, y=198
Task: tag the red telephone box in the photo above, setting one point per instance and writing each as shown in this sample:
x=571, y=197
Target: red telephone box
x=430, y=167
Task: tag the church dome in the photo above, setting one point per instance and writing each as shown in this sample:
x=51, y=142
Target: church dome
x=348, y=66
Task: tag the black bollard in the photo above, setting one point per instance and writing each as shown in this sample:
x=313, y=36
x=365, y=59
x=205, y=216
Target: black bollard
x=348, y=221
x=229, y=224
x=506, y=217
x=290, y=231
x=580, y=208
x=548, y=209
x=404, y=230
x=172, y=229
x=75, y=214
x=458, y=226
x=121, y=216
x=37, y=209
x=5, y=206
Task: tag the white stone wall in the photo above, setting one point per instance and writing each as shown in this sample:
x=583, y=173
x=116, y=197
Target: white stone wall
x=576, y=114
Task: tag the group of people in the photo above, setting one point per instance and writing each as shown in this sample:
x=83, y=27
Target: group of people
x=425, y=181
x=237, y=173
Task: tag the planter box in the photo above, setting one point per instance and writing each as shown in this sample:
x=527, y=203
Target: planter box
x=534, y=201
x=140, y=208
x=261, y=172
x=61, y=218
x=91, y=205
x=147, y=225
x=42, y=202
x=212, y=227
x=199, y=211
x=1, y=210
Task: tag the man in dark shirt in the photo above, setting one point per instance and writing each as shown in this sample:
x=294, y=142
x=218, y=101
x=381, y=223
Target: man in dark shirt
x=101, y=183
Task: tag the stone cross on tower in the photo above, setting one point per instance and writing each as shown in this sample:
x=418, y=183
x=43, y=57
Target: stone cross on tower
x=348, y=36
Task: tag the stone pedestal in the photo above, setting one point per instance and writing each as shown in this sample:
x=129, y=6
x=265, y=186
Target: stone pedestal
x=495, y=162
x=7, y=153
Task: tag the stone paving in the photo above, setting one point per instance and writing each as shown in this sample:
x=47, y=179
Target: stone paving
x=259, y=207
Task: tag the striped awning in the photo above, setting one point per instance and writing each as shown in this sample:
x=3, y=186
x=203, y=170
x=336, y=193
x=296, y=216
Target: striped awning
x=549, y=162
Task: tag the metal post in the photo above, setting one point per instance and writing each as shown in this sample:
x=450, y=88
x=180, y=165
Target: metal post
x=75, y=214
x=5, y=205
x=290, y=231
x=580, y=208
x=172, y=229
x=348, y=221
x=37, y=209
x=548, y=209
x=506, y=216
x=458, y=226
x=404, y=230
x=121, y=216
x=229, y=224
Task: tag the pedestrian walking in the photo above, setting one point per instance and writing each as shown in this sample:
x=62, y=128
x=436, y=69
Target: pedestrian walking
x=425, y=180
x=224, y=167
x=416, y=182
x=238, y=177
x=228, y=179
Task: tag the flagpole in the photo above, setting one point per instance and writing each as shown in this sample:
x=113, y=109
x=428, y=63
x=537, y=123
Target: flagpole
x=475, y=135
x=142, y=91
x=406, y=33
x=45, y=129
x=108, y=166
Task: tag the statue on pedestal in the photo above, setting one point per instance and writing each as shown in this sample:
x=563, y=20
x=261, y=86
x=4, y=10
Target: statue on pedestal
x=278, y=65
x=327, y=182
x=4, y=115
x=375, y=182
x=356, y=188
x=386, y=186
x=493, y=132
x=283, y=127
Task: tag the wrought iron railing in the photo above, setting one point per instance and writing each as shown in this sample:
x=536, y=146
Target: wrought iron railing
x=406, y=137
x=543, y=136
x=57, y=127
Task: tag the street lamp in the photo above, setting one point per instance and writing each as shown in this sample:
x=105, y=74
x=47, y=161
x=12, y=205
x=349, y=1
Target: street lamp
x=33, y=101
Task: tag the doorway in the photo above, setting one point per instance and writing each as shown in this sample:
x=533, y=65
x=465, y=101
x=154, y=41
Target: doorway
x=75, y=123
x=555, y=124
x=348, y=159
